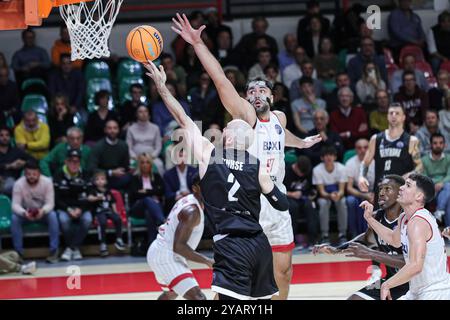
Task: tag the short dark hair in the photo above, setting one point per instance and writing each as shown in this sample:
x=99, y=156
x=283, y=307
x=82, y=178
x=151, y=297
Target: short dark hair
x=97, y=173
x=436, y=135
x=32, y=164
x=408, y=73
x=312, y=3
x=304, y=165
x=397, y=105
x=101, y=94
x=5, y=128
x=166, y=55
x=328, y=150
x=395, y=178
x=63, y=56
x=24, y=32
x=444, y=15
x=136, y=86
x=271, y=66
x=303, y=80
x=425, y=184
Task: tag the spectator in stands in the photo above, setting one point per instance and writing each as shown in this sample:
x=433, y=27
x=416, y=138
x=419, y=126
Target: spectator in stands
x=111, y=155
x=70, y=82
x=282, y=103
x=128, y=110
x=378, y=118
x=301, y=194
x=444, y=117
x=329, y=138
x=145, y=137
x=326, y=61
x=60, y=119
x=409, y=64
x=214, y=24
x=438, y=40
x=264, y=59
x=356, y=222
x=201, y=95
x=342, y=80
x=178, y=180
x=293, y=71
x=4, y=64
x=272, y=73
x=350, y=122
x=103, y=206
x=12, y=161
x=32, y=135
x=62, y=47
x=436, y=165
x=330, y=179
x=33, y=201
x=367, y=54
x=430, y=127
x=54, y=160
x=224, y=48
x=311, y=40
x=369, y=84
x=436, y=94
x=95, y=127
x=196, y=19
x=247, y=46
x=146, y=195
x=30, y=61
x=71, y=187
x=346, y=24
x=192, y=66
x=304, y=24
x=161, y=116
x=11, y=262
x=175, y=73
x=303, y=108
x=405, y=27
x=286, y=57
x=413, y=99
x=307, y=69
x=353, y=44
x=10, y=101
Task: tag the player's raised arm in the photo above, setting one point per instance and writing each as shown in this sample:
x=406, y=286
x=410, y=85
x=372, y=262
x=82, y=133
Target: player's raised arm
x=238, y=107
x=201, y=146
x=276, y=198
x=363, y=183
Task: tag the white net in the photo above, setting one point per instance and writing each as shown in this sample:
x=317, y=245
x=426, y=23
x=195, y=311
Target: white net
x=89, y=25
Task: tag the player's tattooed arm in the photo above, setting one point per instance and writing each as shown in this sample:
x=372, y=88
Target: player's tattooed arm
x=415, y=154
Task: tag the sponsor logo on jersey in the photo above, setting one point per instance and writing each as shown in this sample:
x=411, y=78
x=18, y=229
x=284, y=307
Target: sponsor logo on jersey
x=390, y=152
x=271, y=145
x=278, y=129
x=400, y=144
x=234, y=165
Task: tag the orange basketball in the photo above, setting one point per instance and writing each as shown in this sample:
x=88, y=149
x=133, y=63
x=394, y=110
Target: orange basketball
x=144, y=43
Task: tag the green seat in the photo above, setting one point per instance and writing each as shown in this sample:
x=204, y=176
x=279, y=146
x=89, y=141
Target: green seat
x=329, y=85
x=290, y=157
x=5, y=214
x=136, y=222
x=95, y=85
x=31, y=82
x=124, y=87
x=129, y=68
x=36, y=227
x=348, y=154
x=342, y=56
x=35, y=102
x=97, y=69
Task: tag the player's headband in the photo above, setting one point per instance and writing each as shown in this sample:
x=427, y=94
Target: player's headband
x=259, y=83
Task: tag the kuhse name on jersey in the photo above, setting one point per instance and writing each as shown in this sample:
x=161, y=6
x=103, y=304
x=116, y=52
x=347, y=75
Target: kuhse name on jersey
x=234, y=165
x=390, y=152
x=271, y=145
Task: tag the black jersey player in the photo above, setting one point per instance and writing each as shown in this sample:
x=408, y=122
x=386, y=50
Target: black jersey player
x=232, y=182
x=392, y=257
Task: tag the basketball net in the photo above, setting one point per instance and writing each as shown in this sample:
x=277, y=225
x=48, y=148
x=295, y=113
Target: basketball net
x=89, y=25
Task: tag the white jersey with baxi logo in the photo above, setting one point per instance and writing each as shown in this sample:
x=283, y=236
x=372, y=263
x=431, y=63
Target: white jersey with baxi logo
x=268, y=147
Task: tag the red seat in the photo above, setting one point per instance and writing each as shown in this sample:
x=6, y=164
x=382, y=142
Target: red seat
x=427, y=72
x=414, y=50
x=120, y=206
x=445, y=66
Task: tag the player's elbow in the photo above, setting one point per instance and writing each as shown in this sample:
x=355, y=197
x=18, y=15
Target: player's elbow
x=415, y=268
x=179, y=248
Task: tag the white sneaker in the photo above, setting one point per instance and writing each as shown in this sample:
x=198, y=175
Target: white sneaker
x=28, y=268
x=67, y=254
x=77, y=255
x=438, y=214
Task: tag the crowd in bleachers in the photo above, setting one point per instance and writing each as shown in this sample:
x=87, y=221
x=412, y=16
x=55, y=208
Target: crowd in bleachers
x=74, y=132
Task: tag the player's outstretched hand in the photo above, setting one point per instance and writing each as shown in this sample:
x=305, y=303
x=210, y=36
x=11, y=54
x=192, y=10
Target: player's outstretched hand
x=324, y=248
x=368, y=209
x=385, y=293
x=312, y=140
x=158, y=75
x=184, y=29
x=446, y=232
x=357, y=250
x=363, y=184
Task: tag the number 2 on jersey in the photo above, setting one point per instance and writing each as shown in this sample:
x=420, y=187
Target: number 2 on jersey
x=234, y=188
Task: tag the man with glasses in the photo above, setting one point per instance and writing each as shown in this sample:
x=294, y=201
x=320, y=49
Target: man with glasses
x=394, y=151
x=356, y=222
x=54, y=161
x=378, y=118
x=409, y=64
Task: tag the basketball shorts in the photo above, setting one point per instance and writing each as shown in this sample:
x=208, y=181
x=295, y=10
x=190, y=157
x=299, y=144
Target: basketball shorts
x=171, y=270
x=243, y=267
x=277, y=226
x=372, y=292
x=429, y=295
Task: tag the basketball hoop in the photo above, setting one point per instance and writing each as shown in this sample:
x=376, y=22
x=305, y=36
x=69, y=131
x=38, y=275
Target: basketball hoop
x=89, y=25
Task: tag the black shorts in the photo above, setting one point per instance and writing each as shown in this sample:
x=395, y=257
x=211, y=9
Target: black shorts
x=243, y=267
x=372, y=292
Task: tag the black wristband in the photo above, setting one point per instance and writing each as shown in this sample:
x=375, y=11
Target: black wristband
x=277, y=199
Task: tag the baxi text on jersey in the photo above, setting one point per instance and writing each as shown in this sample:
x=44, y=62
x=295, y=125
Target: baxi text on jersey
x=271, y=145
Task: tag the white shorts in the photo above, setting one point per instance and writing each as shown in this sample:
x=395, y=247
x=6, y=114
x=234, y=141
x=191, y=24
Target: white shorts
x=428, y=295
x=171, y=271
x=277, y=226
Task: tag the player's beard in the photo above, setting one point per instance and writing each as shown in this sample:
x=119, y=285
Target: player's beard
x=264, y=108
